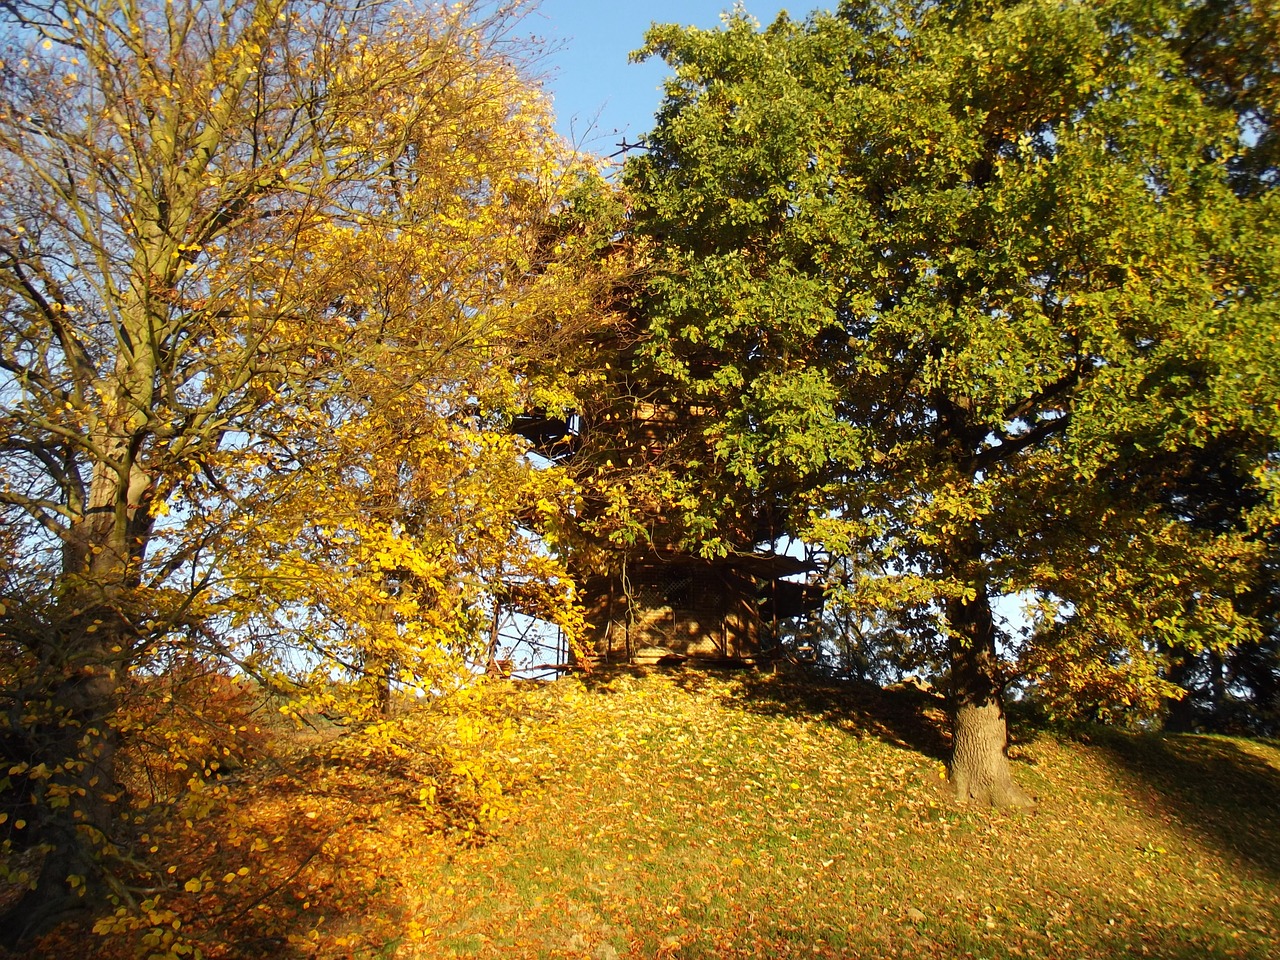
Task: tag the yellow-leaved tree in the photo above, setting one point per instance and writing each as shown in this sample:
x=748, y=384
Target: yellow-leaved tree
x=270, y=274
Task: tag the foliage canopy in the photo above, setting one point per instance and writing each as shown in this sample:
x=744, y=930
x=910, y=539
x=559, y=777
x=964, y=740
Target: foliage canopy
x=975, y=290
x=271, y=277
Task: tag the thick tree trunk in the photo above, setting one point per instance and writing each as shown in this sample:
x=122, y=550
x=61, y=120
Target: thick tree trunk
x=76, y=798
x=73, y=692
x=980, y=737
x=979, y=760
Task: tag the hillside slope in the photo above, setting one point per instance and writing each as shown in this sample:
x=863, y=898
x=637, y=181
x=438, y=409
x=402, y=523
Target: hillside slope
x=687, y=815
x=695, y=815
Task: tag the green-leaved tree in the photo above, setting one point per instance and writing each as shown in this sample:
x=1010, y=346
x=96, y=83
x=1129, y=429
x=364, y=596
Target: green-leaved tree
x=960, y=280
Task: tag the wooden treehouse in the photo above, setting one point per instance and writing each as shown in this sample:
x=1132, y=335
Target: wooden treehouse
x=658, y=604
x=675, y=607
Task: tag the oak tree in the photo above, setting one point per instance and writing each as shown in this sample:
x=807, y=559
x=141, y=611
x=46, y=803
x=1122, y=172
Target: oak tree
x=947, y=277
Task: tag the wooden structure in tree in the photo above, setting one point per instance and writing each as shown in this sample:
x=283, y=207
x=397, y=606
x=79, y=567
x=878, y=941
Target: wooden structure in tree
x=675, y=607
x=659, y=604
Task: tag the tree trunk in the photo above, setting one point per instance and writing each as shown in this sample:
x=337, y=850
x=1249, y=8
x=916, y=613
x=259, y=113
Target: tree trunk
x=77, y=743
x=1180, y=713
x=72, y=694
x=1217, y=685
x=979, y=759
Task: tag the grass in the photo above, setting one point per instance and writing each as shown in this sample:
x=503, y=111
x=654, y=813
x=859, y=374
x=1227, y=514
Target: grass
x=701, y=815
x=687, y=815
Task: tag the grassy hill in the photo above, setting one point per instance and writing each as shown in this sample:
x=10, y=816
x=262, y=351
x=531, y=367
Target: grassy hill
x=694, y=816
x=685, y=814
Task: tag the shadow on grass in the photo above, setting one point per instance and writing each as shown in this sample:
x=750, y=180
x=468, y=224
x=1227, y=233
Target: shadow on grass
x=905, y=717
x=1211, y=785
x=302, y=853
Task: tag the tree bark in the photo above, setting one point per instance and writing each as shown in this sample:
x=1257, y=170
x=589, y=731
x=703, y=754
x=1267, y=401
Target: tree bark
x=1180, y=713
x=78, y=743
x=979, y=759
x=74, y=690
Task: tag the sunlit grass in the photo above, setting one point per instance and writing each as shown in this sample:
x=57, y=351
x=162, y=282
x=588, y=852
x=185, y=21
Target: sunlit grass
x=692, y=816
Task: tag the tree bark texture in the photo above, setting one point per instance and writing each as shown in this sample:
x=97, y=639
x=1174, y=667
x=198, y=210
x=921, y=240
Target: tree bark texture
x=1180, y=714
x=979, y=760
x=72, y=739
x=78, y=746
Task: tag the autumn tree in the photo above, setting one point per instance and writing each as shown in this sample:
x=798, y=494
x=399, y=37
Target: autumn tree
x=970, y=285
x=268, y=272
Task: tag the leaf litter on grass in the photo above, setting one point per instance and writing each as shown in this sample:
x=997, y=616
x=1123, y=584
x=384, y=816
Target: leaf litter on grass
x=696, y=815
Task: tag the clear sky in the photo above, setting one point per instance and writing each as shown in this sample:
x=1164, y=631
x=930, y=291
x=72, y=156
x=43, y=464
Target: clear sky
x=599, y=96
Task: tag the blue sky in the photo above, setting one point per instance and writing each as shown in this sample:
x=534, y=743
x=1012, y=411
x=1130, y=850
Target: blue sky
x=599, y=96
